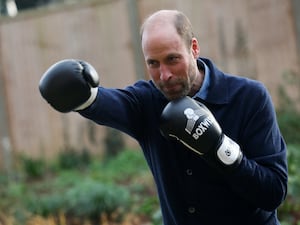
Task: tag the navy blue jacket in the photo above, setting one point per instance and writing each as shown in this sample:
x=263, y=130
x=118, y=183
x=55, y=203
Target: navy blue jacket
x=190, y=191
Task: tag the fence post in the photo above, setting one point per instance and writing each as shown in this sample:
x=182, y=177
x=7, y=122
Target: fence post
x=134, y=24
x=295, y=5
x=5, y=143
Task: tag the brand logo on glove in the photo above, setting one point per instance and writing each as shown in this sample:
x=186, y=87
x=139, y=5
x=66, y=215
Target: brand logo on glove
x=192, y=117
x=227, y=152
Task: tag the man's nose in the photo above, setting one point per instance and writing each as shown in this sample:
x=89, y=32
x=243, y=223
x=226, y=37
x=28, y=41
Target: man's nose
x=165, y=73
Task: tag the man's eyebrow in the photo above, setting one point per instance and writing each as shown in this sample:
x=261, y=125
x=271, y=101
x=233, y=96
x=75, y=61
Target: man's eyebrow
x=150, y=60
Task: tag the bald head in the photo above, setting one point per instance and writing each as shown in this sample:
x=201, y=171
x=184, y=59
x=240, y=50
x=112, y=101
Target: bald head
x=169, y=19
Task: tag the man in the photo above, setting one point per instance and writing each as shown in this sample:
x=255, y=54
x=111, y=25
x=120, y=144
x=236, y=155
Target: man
x=210, y=139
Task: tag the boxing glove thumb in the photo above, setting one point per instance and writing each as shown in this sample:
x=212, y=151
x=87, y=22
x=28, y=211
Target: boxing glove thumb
x=69, y=85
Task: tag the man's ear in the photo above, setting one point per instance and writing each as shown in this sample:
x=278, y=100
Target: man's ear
x=195, y=48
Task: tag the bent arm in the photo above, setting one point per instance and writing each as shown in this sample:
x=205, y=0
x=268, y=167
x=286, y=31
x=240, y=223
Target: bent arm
x=262, y=181
x=262, y=176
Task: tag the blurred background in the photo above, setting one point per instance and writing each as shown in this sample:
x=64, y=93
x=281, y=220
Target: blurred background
x=45, y=156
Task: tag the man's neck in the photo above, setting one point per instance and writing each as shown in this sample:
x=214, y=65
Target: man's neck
x=197, y=83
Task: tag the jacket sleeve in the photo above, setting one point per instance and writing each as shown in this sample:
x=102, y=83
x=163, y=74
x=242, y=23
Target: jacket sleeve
x=123, y=109
x=262, y=176
x=116, y=108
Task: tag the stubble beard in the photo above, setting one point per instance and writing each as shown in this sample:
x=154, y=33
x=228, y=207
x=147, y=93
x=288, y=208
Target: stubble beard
x=186, y=86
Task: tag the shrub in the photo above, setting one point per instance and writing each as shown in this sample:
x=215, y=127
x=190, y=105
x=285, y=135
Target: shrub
x=71, y=158
x=45, y=205
x=33, y=168
x=90, y=199
x=114, y=142
x=289, y=211
x=104, y=191
x=289, y=125
x=126, y=164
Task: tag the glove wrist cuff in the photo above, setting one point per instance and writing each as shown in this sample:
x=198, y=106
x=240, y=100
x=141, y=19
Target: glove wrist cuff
x=229, y=154
x=91, y=99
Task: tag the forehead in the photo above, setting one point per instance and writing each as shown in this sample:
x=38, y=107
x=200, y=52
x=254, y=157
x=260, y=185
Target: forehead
x=161, y=40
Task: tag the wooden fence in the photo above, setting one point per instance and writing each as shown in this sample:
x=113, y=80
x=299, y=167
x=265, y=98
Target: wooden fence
x=256, y=38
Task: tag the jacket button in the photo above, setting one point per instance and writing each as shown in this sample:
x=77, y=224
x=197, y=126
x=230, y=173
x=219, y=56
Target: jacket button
x=189, y=172
x=191, y=210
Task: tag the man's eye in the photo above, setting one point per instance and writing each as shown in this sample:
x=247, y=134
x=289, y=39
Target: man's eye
x=173, y=59
x=152, y=63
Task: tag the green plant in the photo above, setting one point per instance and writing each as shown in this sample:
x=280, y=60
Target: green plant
x=111, y=187
x=289, y=125
x=288, y=114
x=33, y=168
x=90, y=199
x=126, y=164
x=71, y=158
x=289, y=211
x=113, y=142
x=149, y=206
x=44, y=204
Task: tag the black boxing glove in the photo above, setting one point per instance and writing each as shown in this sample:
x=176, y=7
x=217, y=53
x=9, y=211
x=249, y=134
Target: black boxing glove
x=191, y=123
x=69, y=85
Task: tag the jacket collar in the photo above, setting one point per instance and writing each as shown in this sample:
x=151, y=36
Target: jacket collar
x=217, y=89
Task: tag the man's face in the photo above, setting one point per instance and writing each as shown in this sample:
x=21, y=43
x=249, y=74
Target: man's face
x=171, y=65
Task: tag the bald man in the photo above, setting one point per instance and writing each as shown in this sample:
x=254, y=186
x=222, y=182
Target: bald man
x=210, y=139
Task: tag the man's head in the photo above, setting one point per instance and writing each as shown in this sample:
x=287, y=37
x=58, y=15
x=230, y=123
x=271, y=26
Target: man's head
x=170, y=50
